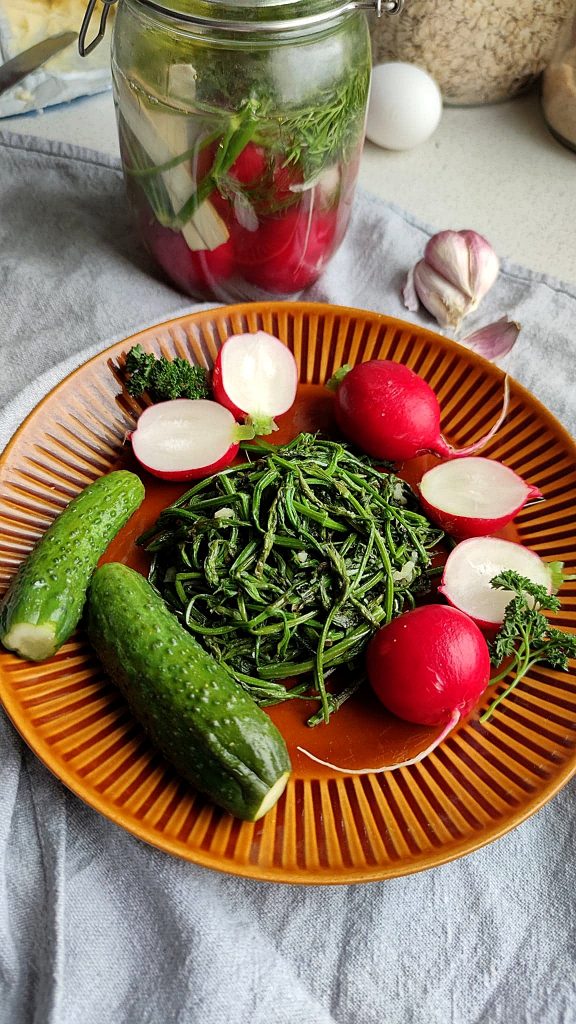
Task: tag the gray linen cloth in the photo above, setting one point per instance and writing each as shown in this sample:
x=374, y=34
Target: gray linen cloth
x=98, y=928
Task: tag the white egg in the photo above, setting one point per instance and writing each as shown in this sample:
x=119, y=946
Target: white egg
x=405, y=106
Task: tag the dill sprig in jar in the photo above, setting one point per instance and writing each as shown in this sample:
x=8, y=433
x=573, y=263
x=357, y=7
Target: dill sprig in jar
x=241, y=127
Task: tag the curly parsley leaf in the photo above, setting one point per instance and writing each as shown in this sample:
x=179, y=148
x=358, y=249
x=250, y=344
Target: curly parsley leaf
x=526, y=636
x=164, y=379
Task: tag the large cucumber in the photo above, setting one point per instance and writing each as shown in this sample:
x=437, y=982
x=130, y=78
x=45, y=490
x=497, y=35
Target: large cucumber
x=203, y=722
x=44, y=601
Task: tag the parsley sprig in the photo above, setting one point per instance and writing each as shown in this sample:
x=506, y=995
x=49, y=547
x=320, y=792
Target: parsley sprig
x=526, y=635
x=164, y=379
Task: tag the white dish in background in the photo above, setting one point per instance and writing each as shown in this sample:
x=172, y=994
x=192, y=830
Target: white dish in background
x=66, y=76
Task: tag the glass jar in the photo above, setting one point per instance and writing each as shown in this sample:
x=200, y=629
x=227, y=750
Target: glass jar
x=559, y=88
x=479, y=51
x=241, y=127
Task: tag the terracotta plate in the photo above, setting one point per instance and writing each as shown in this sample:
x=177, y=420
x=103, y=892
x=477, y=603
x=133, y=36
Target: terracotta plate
x=327, y=827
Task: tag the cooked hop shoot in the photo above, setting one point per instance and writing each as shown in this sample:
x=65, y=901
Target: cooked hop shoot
x=303, y=572
x=526, y=635
x=164, y=379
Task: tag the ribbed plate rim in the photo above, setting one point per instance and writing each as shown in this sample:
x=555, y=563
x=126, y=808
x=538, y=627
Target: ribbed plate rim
x=295, y=876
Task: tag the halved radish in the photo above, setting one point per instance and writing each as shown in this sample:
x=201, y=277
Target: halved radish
x=474, y=497
x=255, y=376
x=185, y=439
x=474, y=563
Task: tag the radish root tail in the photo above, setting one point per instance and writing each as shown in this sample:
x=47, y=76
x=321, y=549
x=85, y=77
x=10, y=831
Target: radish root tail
x=450, y=724
x=472, y=448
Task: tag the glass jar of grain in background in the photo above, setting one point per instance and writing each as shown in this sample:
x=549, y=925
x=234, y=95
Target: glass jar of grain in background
x=559, y=88
x=479, y=51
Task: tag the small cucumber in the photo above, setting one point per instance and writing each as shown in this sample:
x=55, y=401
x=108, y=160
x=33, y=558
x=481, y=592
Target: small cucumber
x=44, y=601
x=213, y=733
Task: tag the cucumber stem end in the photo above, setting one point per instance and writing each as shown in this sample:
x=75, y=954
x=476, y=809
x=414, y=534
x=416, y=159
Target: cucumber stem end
x=272, y=796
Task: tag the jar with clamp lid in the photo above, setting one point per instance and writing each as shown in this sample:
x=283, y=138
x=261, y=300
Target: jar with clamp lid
x=241, y=126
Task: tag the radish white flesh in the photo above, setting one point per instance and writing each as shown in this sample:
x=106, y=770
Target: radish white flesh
x=256, y=375
x=474, y=563
x=186, y=438
x=474, y=497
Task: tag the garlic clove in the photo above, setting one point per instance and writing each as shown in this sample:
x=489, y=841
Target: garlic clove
x=494, y=340
x=448, y=304
x=410, y=296
x=447, y=252
x=484, y=265
x=244, y=212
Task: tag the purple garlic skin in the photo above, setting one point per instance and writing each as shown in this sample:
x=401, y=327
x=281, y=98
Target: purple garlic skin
x=494, y=340
x=457, y=271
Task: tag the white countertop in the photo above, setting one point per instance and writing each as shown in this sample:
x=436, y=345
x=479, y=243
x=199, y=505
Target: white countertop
x=494, y=168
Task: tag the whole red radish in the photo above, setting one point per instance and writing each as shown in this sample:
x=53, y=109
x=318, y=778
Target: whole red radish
x=210, y=267
x=472, y=564
x=287, y=180
x=255, y=376
x=250, y=166
x=473, y=497
x=288, y=251
x=391, y=412
x=192, y=270
x=186, y=439
x=428, y=666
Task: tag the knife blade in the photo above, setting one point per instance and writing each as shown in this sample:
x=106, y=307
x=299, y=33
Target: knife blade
x=29, y=60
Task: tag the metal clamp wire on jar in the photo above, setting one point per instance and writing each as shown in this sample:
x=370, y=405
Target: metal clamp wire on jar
x=378, y=7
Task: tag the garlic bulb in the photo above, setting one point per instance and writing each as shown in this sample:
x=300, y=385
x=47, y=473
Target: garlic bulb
x=456, y=272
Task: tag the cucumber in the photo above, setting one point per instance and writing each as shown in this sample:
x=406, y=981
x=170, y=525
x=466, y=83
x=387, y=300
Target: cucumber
x=44, y=601
x=213, y=733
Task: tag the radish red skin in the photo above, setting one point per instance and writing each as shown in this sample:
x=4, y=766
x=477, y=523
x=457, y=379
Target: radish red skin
x=389, y=411
x=194, y=474
x=464, y=527
x=250, y=166
x=288, y=251
x=219, y=391
x=189, y=269
x=428, y=663
x=186, y=439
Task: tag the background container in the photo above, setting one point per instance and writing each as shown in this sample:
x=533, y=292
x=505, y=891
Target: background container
x=479, y=51
x=559, y=88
